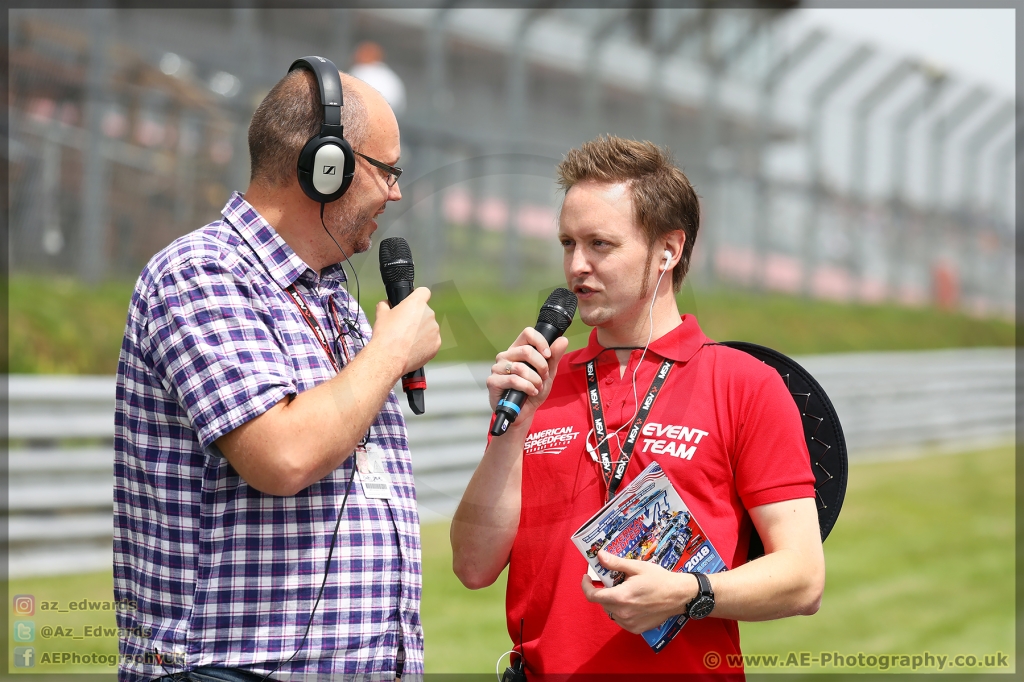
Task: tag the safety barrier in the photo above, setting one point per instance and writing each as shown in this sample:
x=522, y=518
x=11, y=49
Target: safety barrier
x=61, y=430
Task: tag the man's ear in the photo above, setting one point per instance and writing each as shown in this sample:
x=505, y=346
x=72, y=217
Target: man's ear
x=673, y=244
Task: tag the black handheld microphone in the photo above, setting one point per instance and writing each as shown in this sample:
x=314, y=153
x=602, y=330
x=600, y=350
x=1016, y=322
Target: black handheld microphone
x=397, y=271
x=554, y=318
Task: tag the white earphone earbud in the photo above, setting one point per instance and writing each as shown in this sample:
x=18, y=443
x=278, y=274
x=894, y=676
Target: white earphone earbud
x=668, y=259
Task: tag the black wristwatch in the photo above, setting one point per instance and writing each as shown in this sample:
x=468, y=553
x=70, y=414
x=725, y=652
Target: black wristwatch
x=704, y=603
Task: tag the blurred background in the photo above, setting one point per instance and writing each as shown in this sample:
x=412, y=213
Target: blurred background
x=856, y=170
x=828, y=166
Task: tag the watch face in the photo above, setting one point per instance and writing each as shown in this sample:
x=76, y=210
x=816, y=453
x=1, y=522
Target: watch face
x=701, y=607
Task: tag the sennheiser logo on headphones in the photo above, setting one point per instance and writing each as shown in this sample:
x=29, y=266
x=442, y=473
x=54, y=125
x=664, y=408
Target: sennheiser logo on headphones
x=329, y=170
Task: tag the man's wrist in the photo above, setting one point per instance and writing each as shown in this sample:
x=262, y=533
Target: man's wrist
x=392, y=357
x=703, y=603
x=690, y=589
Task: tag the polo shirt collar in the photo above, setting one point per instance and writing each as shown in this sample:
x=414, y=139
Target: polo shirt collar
x=679, y=345
x=279, y=259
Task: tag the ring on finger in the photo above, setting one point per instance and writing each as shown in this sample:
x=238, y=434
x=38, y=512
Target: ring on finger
x=508, y=368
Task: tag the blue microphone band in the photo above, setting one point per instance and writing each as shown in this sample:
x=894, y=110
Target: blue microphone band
x=506, y=403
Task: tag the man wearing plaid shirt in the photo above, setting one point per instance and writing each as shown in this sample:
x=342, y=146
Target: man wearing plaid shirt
x=247, y=378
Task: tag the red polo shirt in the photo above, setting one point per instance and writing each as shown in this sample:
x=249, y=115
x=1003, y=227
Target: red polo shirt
x=727, y=433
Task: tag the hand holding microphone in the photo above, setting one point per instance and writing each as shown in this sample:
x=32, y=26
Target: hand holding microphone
x=555, y=317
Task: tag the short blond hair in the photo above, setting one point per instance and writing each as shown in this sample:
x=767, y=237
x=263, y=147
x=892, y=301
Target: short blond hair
x=663, y=198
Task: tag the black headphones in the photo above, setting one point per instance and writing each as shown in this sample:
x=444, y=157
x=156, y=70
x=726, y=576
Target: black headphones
x=326, y=163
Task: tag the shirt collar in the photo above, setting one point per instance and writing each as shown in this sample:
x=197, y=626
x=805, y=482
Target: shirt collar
x=279, y=260
x=679, y=345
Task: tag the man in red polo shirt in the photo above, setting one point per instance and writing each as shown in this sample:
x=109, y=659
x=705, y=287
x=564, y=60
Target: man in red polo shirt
x=724, y=429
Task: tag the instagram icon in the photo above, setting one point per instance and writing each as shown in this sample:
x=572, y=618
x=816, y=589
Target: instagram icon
x=24, y=604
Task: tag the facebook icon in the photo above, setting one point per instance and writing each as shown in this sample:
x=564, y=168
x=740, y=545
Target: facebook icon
x=23, y=657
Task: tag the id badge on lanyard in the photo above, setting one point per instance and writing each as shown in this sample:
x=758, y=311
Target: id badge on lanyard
x=373, y=477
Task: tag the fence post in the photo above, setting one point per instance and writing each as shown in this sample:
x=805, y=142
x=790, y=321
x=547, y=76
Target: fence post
x=92, y=246
x=592, y=79
x=516, y=97
x=769, y=85
x=828, y=86
x=904, y=121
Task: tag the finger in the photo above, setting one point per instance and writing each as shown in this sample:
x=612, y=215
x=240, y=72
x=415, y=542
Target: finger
x=537, y=340
x=382, y=307
x=529, y=356
x=520, y=369
x=595, y=595
x=614, y=563
x=558, y=349
x=421, y=292
x=502, y=382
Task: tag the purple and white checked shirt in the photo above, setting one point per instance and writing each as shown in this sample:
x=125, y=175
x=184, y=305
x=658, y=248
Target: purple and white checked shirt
x=220, y=573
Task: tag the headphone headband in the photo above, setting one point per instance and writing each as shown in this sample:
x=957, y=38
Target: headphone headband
x=330, y=91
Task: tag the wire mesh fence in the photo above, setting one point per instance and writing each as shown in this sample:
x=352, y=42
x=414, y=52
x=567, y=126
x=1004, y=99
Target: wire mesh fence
x=825, y=167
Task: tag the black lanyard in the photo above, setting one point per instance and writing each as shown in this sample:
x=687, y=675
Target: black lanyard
x=613, y=478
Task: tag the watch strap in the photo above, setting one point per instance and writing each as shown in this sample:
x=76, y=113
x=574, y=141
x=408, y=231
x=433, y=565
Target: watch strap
x=704, y=602
x=705, y=586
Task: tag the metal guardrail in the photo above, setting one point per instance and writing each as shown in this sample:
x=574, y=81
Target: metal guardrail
x=61, y=430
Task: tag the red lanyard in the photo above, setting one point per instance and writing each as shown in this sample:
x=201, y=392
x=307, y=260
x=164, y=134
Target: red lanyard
x=318, y=332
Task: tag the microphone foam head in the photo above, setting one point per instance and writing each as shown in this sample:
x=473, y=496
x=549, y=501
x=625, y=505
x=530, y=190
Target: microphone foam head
x=558, y=309
x=396, y=261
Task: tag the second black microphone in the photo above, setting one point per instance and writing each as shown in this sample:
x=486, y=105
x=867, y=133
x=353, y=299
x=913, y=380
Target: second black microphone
x=555, y=317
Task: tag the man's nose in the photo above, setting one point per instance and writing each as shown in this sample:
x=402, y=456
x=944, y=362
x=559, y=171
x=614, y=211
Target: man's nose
x=578, y=262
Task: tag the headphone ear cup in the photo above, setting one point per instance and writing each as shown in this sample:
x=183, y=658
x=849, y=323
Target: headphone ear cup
x=325, y=168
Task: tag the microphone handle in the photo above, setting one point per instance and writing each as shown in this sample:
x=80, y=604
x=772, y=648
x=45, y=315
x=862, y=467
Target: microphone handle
x=512, y=400
x=414, y=382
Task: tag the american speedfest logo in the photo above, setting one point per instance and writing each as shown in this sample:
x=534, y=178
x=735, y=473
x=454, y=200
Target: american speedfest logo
x=550, y=441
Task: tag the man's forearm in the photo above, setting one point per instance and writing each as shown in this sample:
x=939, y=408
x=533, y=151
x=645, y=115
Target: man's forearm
x=789, y=579
x=777, y=585
x=486, y=521
x=298, y=442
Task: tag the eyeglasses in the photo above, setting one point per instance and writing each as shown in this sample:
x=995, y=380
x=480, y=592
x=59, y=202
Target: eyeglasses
x=394, y=172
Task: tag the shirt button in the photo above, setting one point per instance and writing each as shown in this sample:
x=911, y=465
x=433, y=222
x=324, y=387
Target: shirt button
x=608, y=380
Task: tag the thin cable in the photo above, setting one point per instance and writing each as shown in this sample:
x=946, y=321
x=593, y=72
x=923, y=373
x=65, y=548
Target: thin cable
x=323, y=583
x=497, y=664
x=650, y=316
x=334, y=537
x=354, y=321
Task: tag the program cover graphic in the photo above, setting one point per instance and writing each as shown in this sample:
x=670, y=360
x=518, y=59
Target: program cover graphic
x=649, y=521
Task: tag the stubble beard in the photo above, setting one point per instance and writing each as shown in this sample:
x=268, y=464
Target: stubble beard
x=351, y=230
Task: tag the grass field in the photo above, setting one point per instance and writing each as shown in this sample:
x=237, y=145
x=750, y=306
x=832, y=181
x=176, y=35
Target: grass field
x=921, y=560
x=62, y=326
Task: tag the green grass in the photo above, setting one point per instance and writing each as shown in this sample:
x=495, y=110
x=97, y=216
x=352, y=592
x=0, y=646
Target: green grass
x=67, y=624
x=922, y=559
x=464, y=630
x=62, y=326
